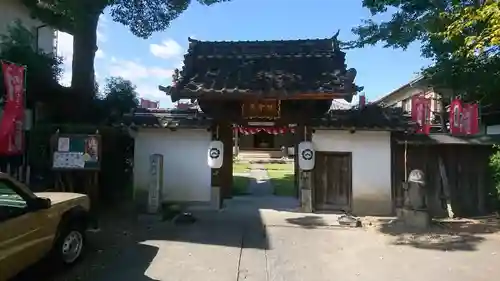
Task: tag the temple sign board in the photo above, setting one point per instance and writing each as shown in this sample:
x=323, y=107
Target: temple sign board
x=268, y=109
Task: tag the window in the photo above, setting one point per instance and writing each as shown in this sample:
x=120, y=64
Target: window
x=11, y=204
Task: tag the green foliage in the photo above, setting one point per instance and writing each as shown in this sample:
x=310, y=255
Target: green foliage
x=495, y=171
x=43, y=70
x=480, y=23
x=120, y=96
x=445, y=28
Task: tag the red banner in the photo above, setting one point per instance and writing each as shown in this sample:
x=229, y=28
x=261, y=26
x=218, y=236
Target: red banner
x=470, y=119
x=421, y=113
x=456, y=117
x=12, y=123
x=464, y=118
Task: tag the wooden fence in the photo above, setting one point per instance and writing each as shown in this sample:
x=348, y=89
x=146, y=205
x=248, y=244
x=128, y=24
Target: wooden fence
x=463, y=180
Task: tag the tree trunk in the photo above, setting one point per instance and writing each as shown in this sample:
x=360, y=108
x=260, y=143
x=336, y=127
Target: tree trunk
x=84, y=48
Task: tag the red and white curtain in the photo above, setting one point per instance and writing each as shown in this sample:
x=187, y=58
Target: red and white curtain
x=269, y=130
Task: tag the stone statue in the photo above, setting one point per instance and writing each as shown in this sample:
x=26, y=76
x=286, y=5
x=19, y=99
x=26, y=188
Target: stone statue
x=415, y=193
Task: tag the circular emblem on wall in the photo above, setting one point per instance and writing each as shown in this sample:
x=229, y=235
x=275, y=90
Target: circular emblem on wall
x=214, y=153
x=307, y=154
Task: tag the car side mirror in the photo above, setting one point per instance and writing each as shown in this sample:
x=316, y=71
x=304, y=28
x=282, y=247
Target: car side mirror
x=41, y=204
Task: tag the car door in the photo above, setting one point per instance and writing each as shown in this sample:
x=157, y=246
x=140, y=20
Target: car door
x=21, y=233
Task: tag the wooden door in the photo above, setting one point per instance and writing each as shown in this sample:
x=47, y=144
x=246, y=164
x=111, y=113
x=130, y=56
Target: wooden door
x=332, y=181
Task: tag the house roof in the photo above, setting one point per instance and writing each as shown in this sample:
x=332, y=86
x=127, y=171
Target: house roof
x=385, y=98
x=440, y=139
x=167, y=118
x=273, y=69
x=370, y=117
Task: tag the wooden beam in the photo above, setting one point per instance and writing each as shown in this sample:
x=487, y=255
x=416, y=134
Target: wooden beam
x=314, y=96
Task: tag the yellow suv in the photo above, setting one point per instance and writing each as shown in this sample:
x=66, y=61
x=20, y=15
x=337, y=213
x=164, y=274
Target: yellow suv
x=36, y=225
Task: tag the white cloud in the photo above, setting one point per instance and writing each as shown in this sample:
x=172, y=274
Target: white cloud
x=133, y=70
x=146, y=78
x=65, y=46
x=151, y=92
x=99, y=54
x=168, y=49
x=65, y=79
x=100, y=36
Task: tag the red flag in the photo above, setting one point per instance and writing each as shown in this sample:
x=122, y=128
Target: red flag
x=470, y=119
x=12, y=123
x=456, y=109
x=464, y=118
x=421, y=113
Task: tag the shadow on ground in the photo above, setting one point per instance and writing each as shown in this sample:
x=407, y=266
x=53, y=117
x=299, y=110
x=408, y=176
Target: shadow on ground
x=443, y=235
x=309, y=222
x=127, y=244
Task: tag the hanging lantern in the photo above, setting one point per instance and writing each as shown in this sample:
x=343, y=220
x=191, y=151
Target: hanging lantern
x=214, y=155
x=306, y=156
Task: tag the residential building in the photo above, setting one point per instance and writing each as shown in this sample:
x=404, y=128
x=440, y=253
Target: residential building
x=402, y=97
x=13, y=10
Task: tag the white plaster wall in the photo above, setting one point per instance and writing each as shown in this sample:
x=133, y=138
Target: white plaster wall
x=371, y=166
x=12, y=10
x=186, y=174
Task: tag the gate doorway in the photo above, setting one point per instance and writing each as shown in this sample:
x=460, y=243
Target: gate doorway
x=263, y=139
x=333, y=181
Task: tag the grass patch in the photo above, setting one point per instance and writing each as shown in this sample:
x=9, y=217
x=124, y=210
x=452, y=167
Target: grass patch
x=240, y=185
x=284, y=167
x=239, y=167
x=283, y=182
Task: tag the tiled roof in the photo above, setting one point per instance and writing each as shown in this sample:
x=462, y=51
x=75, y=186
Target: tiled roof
x=167, y=118
x=371, y=117
x=266, y=68
x=436, y=139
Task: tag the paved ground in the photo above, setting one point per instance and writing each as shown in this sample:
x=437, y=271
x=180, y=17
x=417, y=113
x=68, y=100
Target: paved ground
x=259, y=185
x=261, y=238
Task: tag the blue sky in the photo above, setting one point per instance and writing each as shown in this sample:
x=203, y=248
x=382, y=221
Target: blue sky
x=148, y=63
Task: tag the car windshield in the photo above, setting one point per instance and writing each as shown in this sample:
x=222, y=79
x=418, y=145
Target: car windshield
x=7, y=193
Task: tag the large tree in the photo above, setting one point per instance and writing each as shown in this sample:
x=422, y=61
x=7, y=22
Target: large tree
x=449, y=31
x=480, y=22
x=120, y=96
x=80, y=18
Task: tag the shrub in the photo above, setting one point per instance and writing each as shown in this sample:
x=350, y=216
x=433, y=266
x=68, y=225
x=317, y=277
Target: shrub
x=495, y=173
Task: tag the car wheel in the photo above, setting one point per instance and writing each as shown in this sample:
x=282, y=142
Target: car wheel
x=70, y=244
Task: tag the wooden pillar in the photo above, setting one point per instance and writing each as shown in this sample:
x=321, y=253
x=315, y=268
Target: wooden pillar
x=215, y=179
x=303, y=179
x=226, y=171
x=236, y=143
x=297, y=138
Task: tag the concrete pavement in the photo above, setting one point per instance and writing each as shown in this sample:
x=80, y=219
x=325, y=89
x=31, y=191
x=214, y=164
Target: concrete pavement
x=263, y=237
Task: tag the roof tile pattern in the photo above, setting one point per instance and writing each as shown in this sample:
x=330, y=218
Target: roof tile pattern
x=267, y=68
x=370, y=117
x=167, y=118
